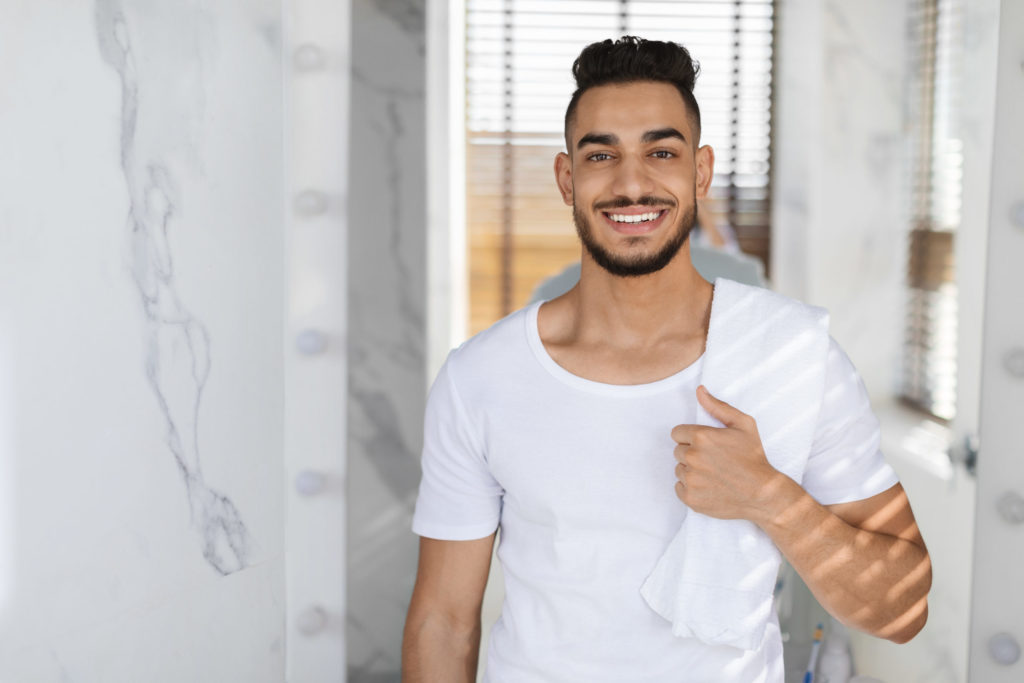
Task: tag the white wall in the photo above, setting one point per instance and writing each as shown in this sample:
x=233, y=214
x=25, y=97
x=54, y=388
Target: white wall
x=944, y=495
x=317, y=75
x=998, y=601
x=141, y=359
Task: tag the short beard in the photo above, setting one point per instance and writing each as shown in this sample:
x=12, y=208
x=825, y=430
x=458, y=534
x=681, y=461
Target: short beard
x=642, y=264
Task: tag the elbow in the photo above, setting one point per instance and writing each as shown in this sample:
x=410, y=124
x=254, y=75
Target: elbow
x=912, y=620
x=906, y=625
x=911, y=629
x=435, y=630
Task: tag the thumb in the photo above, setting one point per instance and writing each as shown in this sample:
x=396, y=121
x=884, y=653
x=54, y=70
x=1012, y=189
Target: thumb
x=720, y=410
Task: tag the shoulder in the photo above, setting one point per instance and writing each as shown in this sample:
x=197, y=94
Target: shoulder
x=846, y=406
x=500, y=345
x=843, y=380
x=733, y=294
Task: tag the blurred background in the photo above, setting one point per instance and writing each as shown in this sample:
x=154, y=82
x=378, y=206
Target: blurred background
x=238, y=239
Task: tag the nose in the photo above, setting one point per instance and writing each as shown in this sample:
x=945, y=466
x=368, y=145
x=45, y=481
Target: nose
x=632, y=178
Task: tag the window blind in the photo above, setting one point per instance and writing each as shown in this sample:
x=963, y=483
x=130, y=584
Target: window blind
x=519, y=55
x=930, y=347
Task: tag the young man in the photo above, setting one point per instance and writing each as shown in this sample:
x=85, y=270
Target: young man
x=572, y=424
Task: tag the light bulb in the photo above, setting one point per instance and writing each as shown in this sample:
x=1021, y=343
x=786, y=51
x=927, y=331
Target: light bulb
x=1011, y=507
x=1013, y=361
x=311, y=203
x=1004, y=649
x=309, y=57
x=311, y=342
x=310, y=483
x=1017, y=214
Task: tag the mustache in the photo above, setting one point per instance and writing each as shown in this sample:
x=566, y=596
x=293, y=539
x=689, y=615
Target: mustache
x=623, y=202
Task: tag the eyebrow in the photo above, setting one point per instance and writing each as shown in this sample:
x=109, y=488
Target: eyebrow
x=597, y=139
x=661, y=134
x=611, y=139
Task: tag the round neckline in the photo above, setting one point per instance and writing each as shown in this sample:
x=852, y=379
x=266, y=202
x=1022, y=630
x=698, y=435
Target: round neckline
x=619, y=390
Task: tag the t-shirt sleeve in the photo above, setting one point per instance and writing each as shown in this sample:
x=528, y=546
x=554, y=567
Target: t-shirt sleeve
x=846, y=463
x=459, y=499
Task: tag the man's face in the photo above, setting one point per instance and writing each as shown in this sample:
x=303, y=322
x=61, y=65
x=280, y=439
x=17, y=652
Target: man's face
x=634, y=175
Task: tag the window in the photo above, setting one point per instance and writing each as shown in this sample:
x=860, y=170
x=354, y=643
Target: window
x=930, y=349
x=518, y=82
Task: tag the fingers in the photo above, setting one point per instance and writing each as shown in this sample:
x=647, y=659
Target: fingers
x=720, y=410
x=687, y=434
x=693, y=435
x=725, y=413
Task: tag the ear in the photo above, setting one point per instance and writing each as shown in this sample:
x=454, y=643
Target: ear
x=705, y=159
x=563, y=176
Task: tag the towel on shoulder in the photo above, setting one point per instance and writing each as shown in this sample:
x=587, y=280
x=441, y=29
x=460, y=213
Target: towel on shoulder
x=766, y=355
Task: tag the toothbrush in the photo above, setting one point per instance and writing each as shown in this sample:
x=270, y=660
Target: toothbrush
x=815, y=646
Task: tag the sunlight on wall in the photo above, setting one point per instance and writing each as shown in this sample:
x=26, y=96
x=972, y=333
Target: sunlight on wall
x=929, y=442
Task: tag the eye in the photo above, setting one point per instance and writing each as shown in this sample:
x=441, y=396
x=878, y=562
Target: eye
x=599, y=156
x=663, y=154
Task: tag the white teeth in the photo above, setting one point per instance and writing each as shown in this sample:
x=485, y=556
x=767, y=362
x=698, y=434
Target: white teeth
x=638, y=218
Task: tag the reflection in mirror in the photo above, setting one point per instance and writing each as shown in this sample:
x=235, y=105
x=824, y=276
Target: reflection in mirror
x=864, y=175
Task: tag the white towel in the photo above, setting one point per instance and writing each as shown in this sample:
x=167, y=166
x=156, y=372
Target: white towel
x=765, y=355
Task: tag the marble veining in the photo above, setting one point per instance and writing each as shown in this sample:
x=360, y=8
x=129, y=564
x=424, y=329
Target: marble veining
x=387, y=313
x=393, y=458
x=65, y=676
x=177, y=343
x=410, y=15
x=847, y=42
x=391, y=135
x=380, y=666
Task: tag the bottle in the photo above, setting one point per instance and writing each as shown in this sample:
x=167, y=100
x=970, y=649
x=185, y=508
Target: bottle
x=835, y=665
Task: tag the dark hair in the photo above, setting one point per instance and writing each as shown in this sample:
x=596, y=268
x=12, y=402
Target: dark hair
x=630, y=59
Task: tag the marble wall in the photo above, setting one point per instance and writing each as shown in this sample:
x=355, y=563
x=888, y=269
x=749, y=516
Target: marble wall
x=141, y=359
x=839, y=153
x=387, y=328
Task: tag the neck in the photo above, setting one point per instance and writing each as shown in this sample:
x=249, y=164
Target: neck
x=634, y=312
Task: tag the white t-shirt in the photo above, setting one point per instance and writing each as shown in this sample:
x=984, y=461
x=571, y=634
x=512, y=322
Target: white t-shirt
x=580, y=477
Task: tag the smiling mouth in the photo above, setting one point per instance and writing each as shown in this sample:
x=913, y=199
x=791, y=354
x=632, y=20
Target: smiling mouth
x=636, y=218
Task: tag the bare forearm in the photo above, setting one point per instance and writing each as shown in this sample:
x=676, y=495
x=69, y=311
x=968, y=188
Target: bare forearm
x=872, y=581
x=433, y=650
